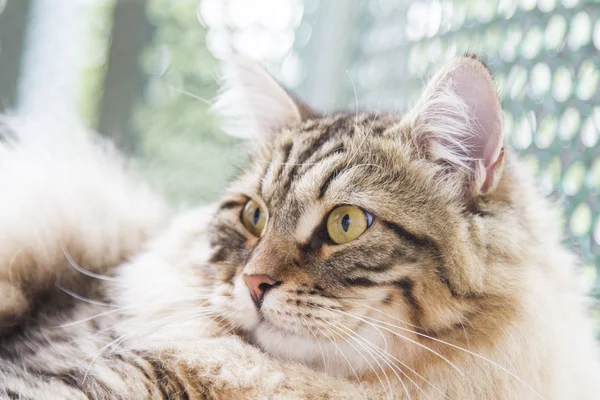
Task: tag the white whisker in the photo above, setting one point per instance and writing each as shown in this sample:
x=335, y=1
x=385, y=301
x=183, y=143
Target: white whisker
x=338, y=350
x=90, y=318
x=325, y=365
x=403, y=337
x=379, y=323
x=351, y=336
x=387, y=354
x=363, y=356
x=83, y=271
x=192, y=95
x=84, y=299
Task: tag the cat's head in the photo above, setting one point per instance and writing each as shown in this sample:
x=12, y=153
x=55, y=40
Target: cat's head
x=362, y=229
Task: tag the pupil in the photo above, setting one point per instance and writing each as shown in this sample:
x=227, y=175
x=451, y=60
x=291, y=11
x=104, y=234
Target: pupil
x=256, y=216
x=346, y=222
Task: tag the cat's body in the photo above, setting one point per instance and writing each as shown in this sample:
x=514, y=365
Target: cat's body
x=456, y=285
x=86, y=333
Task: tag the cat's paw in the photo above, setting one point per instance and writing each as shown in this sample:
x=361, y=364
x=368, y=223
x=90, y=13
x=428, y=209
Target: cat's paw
x=228, y=368
x=13, y=307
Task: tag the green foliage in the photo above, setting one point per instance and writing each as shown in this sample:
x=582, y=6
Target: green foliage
x=94, y=70
x=180, y=147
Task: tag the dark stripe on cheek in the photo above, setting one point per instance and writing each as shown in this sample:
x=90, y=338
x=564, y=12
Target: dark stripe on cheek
x=406, y=235
x=388, y=299
x=425, y=243
x=363, y=282
x=218, y=256
x=375, y=268
x=443, y=276
x=226, y=236
x=407, y=287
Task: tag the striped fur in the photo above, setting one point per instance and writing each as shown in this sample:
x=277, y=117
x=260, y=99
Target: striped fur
x=461, y=278
x=460, y=289
x=141, y=330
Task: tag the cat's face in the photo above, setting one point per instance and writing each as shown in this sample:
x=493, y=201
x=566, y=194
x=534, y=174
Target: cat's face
x=348, y=228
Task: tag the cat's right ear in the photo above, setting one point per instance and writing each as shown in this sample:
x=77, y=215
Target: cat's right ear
x=458, y=122
x=253, y=104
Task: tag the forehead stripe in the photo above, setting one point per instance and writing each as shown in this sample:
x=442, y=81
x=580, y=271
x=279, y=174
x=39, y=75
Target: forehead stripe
x=330, y=132
x=325, y=185
x=318, y=158
x=286, y=150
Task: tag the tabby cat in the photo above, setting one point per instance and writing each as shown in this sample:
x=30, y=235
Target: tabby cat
x=359, y=255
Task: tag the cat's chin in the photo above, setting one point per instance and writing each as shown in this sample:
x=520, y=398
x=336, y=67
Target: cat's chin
x=321, y=354
x=284, y=344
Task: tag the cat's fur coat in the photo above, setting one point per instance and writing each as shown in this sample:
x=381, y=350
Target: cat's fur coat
x=477, y=266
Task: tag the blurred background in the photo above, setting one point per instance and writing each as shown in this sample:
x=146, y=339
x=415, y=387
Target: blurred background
x=144, y=72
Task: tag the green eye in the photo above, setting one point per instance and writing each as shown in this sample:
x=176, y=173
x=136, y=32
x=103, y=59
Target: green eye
x=346, y=223
x=254, y=218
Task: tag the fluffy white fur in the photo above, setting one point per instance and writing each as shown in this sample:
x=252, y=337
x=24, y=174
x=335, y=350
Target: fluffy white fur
x=252, y=103
x=65, y=194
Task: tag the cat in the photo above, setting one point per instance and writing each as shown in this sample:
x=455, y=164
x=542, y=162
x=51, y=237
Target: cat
x=360, y=254
x=51, y=199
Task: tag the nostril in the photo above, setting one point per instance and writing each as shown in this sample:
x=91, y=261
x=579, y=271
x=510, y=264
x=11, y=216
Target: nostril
x=265, y=286
x=258, y=286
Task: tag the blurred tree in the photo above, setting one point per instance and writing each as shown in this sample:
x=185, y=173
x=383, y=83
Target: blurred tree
x=180, y=147
x=13, y=23
x=122, y=86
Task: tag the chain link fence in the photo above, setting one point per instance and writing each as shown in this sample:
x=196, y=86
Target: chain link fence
x=545, y=55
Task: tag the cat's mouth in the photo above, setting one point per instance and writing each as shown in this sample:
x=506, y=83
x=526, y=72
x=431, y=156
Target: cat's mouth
x=283, y=312
x=267, y=322
x=269, y=328
x=279, y=317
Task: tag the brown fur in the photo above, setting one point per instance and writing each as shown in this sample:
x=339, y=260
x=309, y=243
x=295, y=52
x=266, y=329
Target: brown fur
x=459, y=289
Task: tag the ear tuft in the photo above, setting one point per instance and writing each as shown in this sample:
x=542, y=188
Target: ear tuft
x=459, y=120
x=251, y=101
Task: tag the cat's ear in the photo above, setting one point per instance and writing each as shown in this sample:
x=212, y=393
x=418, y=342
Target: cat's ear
x=458, y=121
x=253, y=103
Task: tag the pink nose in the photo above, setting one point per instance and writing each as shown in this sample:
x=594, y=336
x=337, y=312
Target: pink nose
x=258, y=286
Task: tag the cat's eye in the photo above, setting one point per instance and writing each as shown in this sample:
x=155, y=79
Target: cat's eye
x=346, y=223
x=254, y=218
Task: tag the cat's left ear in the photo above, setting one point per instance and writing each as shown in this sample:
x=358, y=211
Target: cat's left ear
x=458, y=121
x=253, y=103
